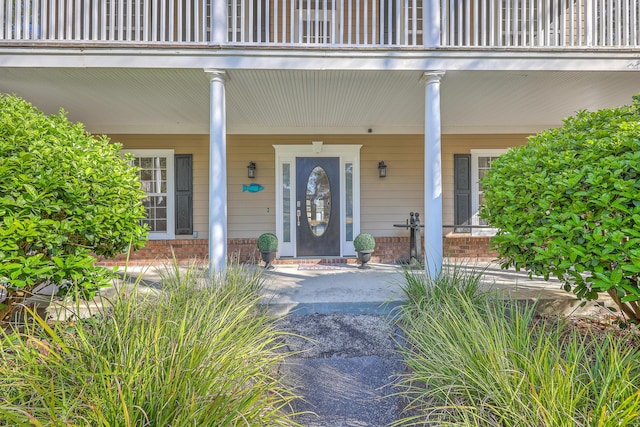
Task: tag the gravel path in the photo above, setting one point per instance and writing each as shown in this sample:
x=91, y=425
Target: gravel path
x=344, y=369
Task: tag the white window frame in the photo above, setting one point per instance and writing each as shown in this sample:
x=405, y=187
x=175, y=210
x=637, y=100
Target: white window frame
x=475, y=189
x=171, y=218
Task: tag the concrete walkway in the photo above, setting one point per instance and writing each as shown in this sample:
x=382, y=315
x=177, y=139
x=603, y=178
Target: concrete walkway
x=319, y=288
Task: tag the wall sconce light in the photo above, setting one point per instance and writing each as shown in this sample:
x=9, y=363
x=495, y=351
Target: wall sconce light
x=251, y=170
x=382, y=169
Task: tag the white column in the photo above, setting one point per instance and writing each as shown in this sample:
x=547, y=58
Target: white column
x=432, y=174
x=217, y=173
x=219, y=21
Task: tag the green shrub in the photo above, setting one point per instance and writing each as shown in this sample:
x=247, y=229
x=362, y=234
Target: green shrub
x=268, y=242
x=567, y=205
x=201, y=351
x=364, y=242
x=65, y=196
x=476, y=360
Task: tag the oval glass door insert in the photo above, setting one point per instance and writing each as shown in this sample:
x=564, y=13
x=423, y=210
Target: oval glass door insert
x=318, y=205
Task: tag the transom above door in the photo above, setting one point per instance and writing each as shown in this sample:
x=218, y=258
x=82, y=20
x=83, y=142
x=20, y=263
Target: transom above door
x=317, y=199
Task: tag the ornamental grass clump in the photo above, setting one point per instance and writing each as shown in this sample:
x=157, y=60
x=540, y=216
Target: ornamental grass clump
x=199, y=352
x=476, y=360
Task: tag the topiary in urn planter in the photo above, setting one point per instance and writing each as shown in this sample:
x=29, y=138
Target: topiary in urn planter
x=268, y=245
x=364, y=245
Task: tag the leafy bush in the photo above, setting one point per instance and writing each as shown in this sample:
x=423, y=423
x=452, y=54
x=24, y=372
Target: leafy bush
x=65, y=196
x=268, y=242
x=476, y=360
x=364, y=242
x=567, y=205
x=201, y=351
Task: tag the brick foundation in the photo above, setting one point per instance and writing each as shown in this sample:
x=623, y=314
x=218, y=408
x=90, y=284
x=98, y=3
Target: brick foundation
x=162, y=252
x=388, y=250
x=464, y=246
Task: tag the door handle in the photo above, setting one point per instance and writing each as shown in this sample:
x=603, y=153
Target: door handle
x=298, y=215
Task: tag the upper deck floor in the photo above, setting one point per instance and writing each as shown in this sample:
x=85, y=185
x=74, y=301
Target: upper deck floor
x=328, y=24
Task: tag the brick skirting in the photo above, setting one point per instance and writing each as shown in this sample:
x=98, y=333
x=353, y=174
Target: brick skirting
x=162, y=252
x=388, y=250
x=465, y=246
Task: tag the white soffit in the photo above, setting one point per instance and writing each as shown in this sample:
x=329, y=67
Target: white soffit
x=473, y=102
x=118, y=100
x=338, y=100
x=284, y=101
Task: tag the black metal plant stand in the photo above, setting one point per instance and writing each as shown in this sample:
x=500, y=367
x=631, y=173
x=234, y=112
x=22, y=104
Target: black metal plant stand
x=415, y=239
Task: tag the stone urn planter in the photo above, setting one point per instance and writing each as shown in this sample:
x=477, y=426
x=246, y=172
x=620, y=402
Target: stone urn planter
x=268, y=246
x=364, y=245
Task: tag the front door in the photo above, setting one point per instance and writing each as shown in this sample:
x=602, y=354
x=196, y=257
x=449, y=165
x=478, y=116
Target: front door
x=318, y=206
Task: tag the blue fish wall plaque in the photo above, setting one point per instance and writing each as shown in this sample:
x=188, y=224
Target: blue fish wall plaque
x=252, y=188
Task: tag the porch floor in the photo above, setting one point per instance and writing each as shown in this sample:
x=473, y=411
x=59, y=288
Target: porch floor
x=325, y=287
x=344, y=288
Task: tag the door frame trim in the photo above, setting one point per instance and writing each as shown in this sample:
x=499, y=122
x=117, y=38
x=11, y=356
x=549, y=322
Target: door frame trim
x=286, y=154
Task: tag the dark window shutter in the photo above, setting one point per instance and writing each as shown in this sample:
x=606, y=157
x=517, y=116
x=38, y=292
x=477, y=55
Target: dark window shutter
x=462, y=190
x=184, y=193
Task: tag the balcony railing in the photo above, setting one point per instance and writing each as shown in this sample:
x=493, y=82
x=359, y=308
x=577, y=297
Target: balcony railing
x=516, y=24
x=120, y=21
x=327, y=22
x=540, y=23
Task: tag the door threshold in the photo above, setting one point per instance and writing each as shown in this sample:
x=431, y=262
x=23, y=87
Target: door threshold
x=316, y=260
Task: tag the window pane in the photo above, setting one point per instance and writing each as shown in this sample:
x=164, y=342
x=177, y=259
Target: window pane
x=483, y=162
x=153, y=180
x=286, y=202
x=146, y=163
x=318, y=201
x=348, y=172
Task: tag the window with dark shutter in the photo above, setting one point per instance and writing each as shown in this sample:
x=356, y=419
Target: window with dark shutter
x=462, y=191
x=184, y=193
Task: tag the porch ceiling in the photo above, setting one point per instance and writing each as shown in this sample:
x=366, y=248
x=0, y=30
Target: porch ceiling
x=286, y=101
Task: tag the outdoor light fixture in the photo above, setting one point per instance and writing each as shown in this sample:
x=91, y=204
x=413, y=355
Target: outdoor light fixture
x=251, y=170
x=382, y=169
